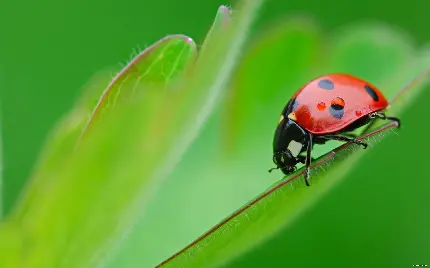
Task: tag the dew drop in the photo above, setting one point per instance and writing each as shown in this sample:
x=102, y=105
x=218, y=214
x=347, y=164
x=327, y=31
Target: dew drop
x=321, y=106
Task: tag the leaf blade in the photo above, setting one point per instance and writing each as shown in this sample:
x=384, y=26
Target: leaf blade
x=146, y=69
x=243, y=230
x=79, y=180
x=221, y=22
x=211, y=73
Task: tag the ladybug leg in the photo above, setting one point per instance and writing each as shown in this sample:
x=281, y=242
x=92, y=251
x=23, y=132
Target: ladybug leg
x=383, y=116
x=302, y=159
x=395, y=119
x=351, y=135
x=308, y=160
x=345, y=139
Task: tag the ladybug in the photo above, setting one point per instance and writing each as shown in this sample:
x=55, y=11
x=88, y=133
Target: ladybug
x=326, y=108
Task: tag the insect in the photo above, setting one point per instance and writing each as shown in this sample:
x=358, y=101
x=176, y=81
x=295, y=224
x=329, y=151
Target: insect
x=326, y=108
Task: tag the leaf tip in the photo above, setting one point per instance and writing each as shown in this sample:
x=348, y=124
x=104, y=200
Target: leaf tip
x=224, y=9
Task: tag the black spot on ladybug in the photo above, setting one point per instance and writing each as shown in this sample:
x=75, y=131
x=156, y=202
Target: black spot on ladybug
x=291, y=106
x=372, y=93
x=326, y=84
x=337, y=107
x=336, y=113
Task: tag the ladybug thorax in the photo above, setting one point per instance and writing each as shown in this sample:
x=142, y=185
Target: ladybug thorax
x=330, y=103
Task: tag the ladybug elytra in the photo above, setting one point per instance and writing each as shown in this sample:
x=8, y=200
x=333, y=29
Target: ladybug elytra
x=326, y=108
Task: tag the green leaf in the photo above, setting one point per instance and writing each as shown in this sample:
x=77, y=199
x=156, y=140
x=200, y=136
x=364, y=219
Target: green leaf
x=221, y=22
x=66, y=134
x=149, y=69
x=102, y=187
x=202, y=92
x=279, y=206
x=75, y=209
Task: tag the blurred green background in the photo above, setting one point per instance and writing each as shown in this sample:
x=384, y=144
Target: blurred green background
x=49, y=50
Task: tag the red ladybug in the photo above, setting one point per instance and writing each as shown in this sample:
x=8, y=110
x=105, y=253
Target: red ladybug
x=322, y=110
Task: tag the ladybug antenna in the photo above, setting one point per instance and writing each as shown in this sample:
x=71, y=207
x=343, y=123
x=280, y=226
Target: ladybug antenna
x=419, y=78
x=270, y=170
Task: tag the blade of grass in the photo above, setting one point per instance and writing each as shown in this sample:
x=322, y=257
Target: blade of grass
x=267, y=214
x=65, y=203
x=213, y=70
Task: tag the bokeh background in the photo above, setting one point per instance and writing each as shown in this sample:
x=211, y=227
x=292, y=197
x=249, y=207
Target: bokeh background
x=49, y=50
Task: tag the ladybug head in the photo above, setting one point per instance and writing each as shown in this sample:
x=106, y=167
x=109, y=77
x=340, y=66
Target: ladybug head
x=285, y=161
x=290, y=140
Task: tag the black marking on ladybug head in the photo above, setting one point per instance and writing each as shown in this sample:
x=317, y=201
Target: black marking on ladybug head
x=326, y=84
x=371, y=92
x=337, y=107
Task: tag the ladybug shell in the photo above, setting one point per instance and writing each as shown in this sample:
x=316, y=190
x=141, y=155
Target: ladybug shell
x=332, y=102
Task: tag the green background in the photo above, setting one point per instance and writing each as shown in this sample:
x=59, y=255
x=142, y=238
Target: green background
x=49, y=50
